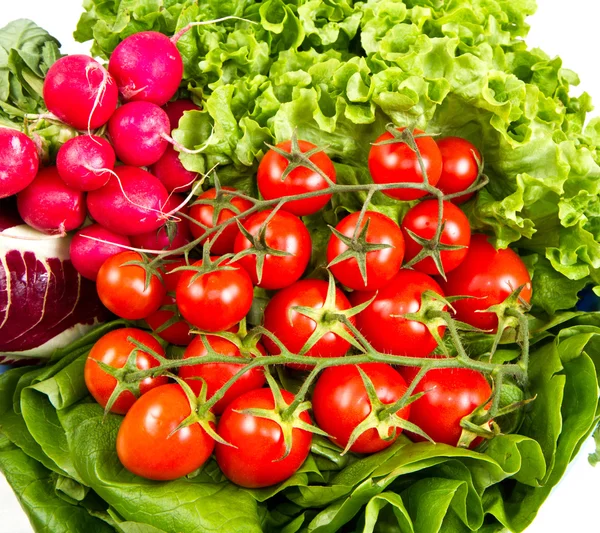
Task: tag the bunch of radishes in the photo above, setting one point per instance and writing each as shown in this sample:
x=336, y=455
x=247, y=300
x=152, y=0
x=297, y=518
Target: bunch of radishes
x=129, y=203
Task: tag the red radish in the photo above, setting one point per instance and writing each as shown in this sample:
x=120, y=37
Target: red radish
x=87, y=255
x=80, y=92
x=172, y=173
x=159, y=239
x=177, y=108
x=138, y=132
x=19, y=161
x=147, y=66
x=83, y=162
x=130, y=203
x=48, y=205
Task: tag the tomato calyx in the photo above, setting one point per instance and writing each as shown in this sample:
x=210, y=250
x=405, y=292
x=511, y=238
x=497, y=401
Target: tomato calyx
x=481, y=422
x=127, y=375
x=208, y=265
x=296, y=158
x=383, y=417
x=150, y=268
x=358, y=247
x=432, y=248
x=286, y=416
x=259, y=247
x=330, y=319
x=200, y=413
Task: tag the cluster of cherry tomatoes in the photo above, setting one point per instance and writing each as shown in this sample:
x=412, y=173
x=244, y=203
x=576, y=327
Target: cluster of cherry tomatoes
x=271, y=249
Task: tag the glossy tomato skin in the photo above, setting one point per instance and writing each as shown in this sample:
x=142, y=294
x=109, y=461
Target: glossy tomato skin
x=179, y=332
x=215, y=375
x=203, y=213
x=384, y=329
x=256, y=461
x=214, y=301
x=145, y=445
x=422, y=219
x=285, y=232
x=395, y=163
x=382, y=265
x=450, y=395
x=298, y=181
x=459, y=167
x=490, y=276
x=340, y=403
x=293, y=329
x=114, y=349
x=122, y=288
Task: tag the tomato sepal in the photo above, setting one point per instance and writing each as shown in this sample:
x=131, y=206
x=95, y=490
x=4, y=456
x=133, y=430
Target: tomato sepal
x=331, y=319
x=358, y=247
x=286, y=416
x=149, y=268
x=383, y=417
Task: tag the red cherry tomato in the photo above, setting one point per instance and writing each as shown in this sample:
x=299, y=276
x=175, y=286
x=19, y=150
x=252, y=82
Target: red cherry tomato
x=397, y=163
x=147, y=448
x=204, y=214
x=490, y=276
x=460, y=167
x=256, y=458
x=382, y=324
x=450, y=395
x=284, y=232
x=340, y=403
x=215, y=375
x=422, y=219
x=293, y=329
x=122, y=288
x=214, y=301
x=381, y=265
x=298, y=181
x=114, y=349
x=178, y=332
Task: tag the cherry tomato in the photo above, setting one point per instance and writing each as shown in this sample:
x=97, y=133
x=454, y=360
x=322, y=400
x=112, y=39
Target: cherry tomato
x=215, y=375
x=114, y=349
x=214, y=301
x=340, y=403
x=490, y=276
x=299, y=181
x=397, y=163
x=293, y=329
x=284, y=232
x=381, y=323
x=256, y=458
x=178, y=332
x=422, y=219
x=204, y=213
x=381, y=265
x=122, y=288
x=459, y=167
x=145, y=445
x=174, y=234
x=450, y=395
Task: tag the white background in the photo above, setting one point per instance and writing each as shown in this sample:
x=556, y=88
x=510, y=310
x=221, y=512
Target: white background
x=568, y=29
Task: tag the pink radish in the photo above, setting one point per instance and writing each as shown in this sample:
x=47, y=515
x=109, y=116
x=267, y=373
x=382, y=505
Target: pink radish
x=147, y=66
x=159, y=239
x=139, y=133
x=80, y=92
x=172, y=173
x=87, y=255
x=19, y=161
x=48, y=205
x=177, y=108
x=84, y=162
x=130, y=203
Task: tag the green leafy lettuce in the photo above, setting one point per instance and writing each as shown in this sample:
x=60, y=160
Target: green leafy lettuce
x=58, y=452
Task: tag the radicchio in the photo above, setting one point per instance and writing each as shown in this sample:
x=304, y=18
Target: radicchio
x=44, y=303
